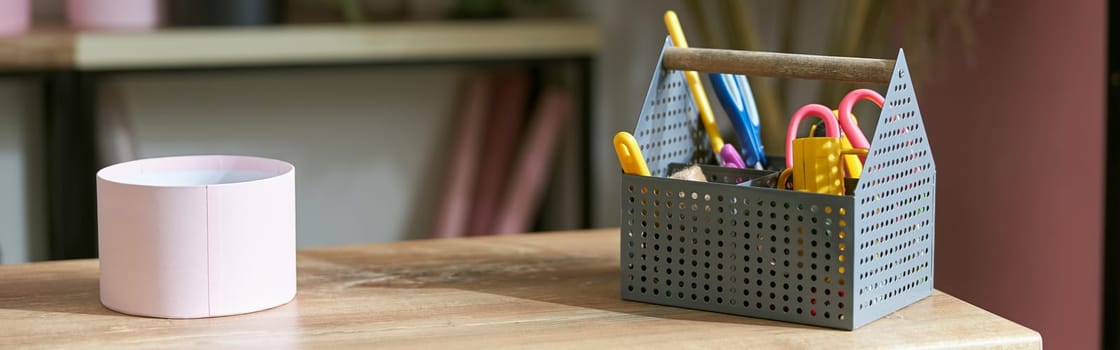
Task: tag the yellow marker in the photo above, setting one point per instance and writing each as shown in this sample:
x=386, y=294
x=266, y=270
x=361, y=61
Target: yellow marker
x=852, y=164
x=629, y=154
x=814, y=161
x=695, y=85
x=816, y=166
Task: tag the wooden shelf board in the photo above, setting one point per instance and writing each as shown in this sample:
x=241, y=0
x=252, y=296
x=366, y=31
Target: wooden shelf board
x=281, y=45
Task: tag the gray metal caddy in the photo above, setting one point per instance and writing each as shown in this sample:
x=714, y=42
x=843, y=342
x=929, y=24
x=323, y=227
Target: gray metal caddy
x=734, y=246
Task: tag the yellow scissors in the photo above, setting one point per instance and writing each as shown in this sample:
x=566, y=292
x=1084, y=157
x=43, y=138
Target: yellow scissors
x=629, y=154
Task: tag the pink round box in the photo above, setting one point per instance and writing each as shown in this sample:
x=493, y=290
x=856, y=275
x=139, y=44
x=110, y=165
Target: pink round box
x=113, y=15
x=196, y=236
x=15, y=17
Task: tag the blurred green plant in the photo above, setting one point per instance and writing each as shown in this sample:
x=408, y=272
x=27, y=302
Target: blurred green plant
x=352, y=11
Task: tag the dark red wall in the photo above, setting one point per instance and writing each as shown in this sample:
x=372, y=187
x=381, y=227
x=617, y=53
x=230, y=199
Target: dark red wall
x=1019, y=144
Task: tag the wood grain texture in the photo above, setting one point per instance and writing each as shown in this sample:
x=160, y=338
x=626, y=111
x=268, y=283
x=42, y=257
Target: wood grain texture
x=780, y=65
x=42, y=49
x=542, y=291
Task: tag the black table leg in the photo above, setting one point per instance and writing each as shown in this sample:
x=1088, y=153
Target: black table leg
x=70, y=107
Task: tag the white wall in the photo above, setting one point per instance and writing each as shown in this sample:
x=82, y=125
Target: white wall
x=356, y=136
x=367, y=143
x=22, y=235
x=633, y=33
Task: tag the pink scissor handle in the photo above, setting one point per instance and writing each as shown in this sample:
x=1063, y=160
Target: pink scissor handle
x=831, y=129
x=851, y=129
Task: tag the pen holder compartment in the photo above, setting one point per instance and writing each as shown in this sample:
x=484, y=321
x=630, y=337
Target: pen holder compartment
x=838, y=261
x=734, y=176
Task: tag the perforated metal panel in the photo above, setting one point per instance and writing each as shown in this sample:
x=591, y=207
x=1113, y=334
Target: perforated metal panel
x=895, y=207
x=834, y=261
x=744, y=250
x=668, y=129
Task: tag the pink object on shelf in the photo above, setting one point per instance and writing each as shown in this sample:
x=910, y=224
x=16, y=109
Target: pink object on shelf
x=15, y=17
x=453, y=214
x=502, y=136
x=533, y=165
x=196, y=236
x=113, y=15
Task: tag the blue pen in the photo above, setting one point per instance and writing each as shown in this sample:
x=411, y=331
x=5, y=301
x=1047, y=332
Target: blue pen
x=734, y=93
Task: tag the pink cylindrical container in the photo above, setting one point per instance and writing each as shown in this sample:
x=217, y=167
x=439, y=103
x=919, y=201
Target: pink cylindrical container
x=196, y=236
x=15, y=17
x=113, y=15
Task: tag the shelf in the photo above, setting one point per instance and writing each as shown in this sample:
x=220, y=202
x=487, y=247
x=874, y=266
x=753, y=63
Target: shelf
x=292, y=45
x=39, y=50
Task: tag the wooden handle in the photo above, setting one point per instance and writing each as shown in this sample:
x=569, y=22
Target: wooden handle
x=780, y=65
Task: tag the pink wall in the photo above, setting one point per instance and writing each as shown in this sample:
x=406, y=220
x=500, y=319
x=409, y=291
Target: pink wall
x=1019, y=144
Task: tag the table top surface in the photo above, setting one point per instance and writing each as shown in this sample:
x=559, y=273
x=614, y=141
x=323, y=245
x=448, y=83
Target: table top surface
x=557, y=290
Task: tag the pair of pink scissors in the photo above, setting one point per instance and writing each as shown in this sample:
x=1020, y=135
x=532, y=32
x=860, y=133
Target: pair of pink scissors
x=843, y=120
x=851, y=130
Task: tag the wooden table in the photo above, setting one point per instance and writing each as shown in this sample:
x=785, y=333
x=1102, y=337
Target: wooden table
x=541, y=290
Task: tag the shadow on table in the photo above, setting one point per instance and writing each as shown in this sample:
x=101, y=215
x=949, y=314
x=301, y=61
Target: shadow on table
x=575, y=281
